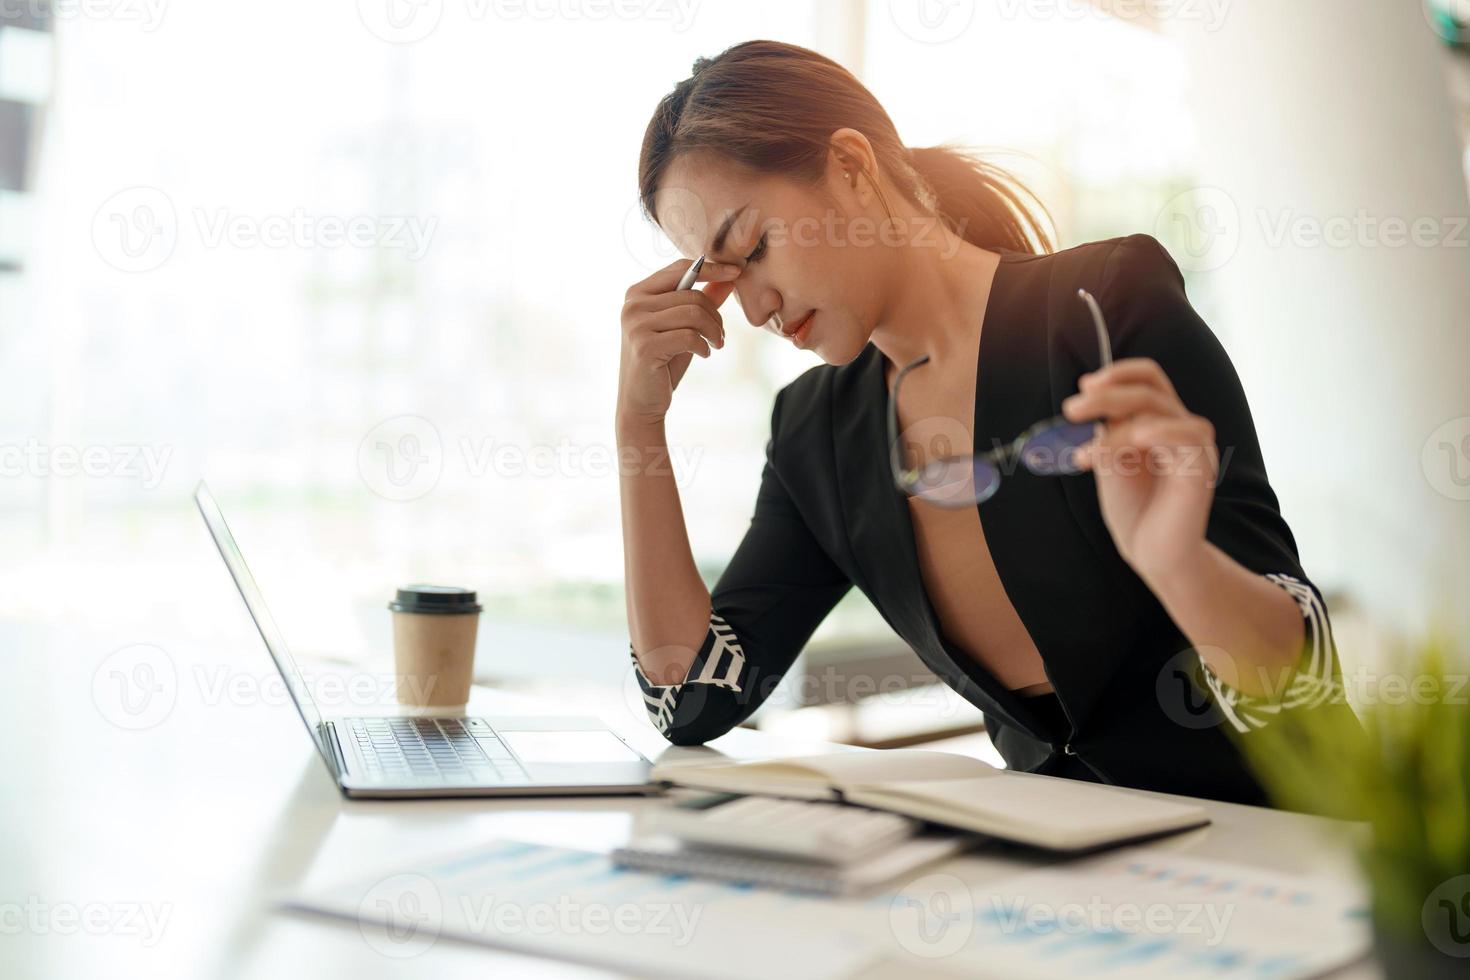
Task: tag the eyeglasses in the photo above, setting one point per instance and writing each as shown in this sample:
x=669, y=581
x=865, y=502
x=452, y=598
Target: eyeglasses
x=1045, y=449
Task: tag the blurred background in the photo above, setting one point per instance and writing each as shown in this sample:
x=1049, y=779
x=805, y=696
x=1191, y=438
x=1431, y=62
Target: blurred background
x=359, y=265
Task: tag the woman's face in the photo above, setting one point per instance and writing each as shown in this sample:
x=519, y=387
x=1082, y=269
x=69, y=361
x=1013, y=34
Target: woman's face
x=800, y=251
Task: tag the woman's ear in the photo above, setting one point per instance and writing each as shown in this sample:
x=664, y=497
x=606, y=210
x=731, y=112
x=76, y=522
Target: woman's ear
x=851, y=163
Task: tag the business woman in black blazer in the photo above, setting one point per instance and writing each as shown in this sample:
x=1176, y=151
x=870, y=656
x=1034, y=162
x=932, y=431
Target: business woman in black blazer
x=1150, y=569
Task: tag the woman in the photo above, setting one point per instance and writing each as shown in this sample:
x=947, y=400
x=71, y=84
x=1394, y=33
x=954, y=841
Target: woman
x=1072, y=603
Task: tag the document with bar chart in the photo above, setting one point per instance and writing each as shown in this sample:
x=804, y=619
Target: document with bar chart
x=1136, y=913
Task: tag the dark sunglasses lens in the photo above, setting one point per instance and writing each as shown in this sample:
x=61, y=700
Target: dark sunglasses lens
x=1049, y=452
x=956, y=481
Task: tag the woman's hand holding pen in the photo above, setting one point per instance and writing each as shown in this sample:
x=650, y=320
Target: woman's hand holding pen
x=1154, y=461
x=663, y=328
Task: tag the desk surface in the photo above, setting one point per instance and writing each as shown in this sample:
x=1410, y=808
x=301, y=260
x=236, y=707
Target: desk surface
x=159, y=797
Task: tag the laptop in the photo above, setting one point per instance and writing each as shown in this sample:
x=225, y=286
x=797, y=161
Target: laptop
x=393, y=756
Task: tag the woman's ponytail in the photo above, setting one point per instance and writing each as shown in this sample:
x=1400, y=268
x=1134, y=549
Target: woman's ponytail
x=980, y=202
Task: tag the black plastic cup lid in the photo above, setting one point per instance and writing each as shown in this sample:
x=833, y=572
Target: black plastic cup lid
x=435, y=600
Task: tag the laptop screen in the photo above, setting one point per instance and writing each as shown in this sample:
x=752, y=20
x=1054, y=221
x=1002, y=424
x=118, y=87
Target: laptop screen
x=245, y=582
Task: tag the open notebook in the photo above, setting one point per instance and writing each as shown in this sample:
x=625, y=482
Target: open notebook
x=956, y=791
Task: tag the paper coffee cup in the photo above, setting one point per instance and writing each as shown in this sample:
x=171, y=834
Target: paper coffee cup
x=434, y=630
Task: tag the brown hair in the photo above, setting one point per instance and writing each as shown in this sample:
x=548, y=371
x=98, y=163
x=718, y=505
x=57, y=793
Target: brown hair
x=772, y=107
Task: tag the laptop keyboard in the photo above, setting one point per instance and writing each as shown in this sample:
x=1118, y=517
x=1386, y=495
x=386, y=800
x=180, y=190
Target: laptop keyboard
x=446, y=750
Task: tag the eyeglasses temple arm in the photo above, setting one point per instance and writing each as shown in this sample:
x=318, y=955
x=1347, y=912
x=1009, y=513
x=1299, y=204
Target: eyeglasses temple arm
x=895, y=463
x=1103, y=345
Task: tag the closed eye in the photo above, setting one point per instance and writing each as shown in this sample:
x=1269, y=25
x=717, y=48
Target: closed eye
x=759, y=252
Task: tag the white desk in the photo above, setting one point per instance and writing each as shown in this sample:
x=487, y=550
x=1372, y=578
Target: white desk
x=221, y=804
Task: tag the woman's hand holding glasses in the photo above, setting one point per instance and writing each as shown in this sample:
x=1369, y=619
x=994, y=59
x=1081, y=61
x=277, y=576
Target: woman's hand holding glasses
x=1155, y=463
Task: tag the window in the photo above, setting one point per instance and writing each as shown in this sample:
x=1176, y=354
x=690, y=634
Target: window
x=366, y=283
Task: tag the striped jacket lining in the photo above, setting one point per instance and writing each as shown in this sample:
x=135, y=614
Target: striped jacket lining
x=1311, y=685
x=720, y=662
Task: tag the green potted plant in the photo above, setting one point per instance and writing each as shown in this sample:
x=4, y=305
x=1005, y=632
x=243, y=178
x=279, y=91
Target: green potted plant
x=1409, y=779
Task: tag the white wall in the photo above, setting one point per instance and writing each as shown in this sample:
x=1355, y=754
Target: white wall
x=1353, y=357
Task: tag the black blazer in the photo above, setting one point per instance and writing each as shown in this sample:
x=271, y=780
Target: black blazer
x=828, y=516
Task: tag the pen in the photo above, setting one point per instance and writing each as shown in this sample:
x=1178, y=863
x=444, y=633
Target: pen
x=687, y=281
